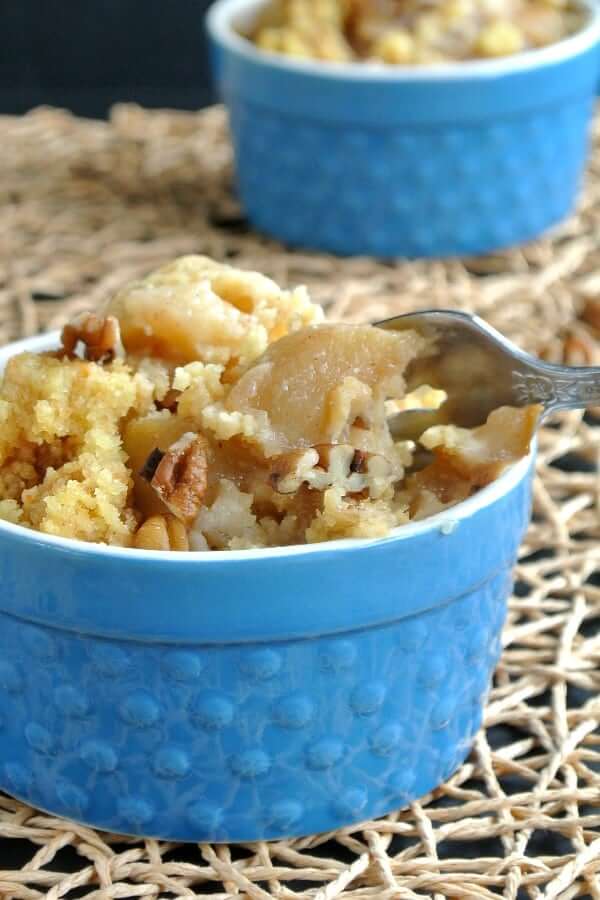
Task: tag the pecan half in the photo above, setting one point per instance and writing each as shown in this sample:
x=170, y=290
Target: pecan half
x=101, y=337
x=180, y=478
x=161, y=533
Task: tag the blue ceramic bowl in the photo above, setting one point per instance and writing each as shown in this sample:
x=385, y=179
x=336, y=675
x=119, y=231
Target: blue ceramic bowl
x=255, y=694
x=389, y=161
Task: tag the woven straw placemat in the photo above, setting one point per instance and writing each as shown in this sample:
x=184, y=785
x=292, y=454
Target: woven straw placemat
x=85, y=206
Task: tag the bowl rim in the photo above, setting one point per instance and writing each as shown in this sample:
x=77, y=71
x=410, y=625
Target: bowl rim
x=219, y=25
x=444, y=522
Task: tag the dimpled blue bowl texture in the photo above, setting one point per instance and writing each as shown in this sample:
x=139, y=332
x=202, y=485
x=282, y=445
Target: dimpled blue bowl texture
x=420, y=162
x=257, y=694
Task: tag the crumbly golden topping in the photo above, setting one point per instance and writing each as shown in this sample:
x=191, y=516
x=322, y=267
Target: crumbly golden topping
x=412, y=32
x=211, y=410
x=195, y=309
x=61, y=453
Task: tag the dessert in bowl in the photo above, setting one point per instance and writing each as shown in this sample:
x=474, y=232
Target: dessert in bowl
x=208, y=409
x=149, y=687
x=415, y=158
x=412, y=32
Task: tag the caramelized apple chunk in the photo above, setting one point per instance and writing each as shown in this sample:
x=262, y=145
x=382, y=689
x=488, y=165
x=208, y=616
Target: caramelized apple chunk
x=482, y=453
x=465, y=460
x=313, y=385
x=195, y=309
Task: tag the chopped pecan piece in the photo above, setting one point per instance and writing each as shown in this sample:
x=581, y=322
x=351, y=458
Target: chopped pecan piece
x=181, y=476
x=290, y=470
x=335, y=461
x=591, y=313
x=101, y=337
x=161, y=533
x=360, y=462
x=169, y=401
x=355, y=470
x=326, y=465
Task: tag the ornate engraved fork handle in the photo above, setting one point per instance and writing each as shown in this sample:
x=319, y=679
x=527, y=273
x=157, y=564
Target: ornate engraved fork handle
x=557, y=387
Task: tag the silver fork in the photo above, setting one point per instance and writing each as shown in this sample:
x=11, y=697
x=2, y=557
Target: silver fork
x=480, y=370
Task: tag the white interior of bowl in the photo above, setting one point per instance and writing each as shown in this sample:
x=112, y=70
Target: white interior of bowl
x=228, y=19
x=444, y=522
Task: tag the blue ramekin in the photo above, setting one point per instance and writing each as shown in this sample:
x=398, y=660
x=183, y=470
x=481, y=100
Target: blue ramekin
x=388, y=161
x=256, y=694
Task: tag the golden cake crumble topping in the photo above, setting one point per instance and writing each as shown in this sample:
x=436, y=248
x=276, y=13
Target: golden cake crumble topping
x=208, y=409
x=412, y=32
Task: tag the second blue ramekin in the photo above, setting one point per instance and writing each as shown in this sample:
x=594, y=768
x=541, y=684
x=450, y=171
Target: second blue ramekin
x=250, y=695
x=388, y=161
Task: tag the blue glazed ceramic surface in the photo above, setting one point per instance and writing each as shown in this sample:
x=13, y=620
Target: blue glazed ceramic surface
x=393, y=161
x=253, y=694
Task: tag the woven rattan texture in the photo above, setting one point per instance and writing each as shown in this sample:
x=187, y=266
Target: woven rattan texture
x=86, y=206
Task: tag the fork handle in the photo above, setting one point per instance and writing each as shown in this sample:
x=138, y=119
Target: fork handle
x=558, y=387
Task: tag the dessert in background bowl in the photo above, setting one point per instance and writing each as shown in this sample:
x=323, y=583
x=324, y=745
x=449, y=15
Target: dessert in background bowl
x=417, y=32
x=415, y=158
x=255, y=693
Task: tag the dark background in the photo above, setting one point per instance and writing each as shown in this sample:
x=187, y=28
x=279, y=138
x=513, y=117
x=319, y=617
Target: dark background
x=85, y=55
